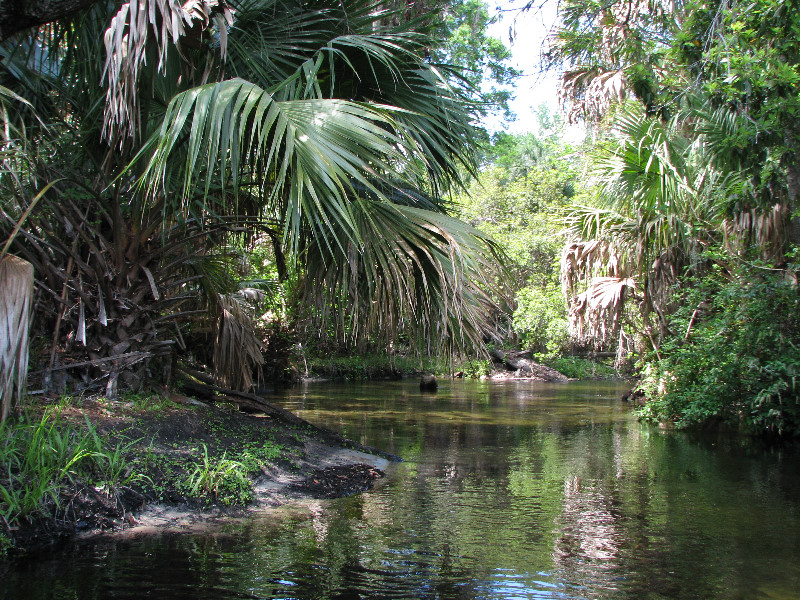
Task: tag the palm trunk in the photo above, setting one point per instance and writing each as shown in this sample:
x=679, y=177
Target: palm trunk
x=16, y=295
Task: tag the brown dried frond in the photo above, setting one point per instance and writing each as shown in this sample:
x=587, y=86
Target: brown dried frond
x=16, y=295
x=580, y=261
x=596, y=313
x=166, y=22
x=590, y=92
x=759, y=228
x=237, y=348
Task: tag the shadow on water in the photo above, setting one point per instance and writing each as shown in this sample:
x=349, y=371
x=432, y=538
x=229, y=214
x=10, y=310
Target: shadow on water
x=508, y=490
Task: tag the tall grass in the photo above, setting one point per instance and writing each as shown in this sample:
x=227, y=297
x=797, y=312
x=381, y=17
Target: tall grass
x=221, y=479
x=36, y=461
x=41, y=458
x=112, y=466
x=581, y=368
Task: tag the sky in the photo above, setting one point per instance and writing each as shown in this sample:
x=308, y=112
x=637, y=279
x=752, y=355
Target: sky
x=534, y=88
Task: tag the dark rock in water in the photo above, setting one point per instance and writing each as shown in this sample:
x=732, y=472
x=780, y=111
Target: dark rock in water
x=428, y=383
x=636, y=396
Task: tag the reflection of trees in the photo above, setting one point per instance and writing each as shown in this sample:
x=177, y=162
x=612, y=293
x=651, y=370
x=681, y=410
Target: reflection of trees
x=495, y=507
x=506, y=498
x=588, y=545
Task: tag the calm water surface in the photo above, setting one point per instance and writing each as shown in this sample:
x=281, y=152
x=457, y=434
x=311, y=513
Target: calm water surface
x=508, y=490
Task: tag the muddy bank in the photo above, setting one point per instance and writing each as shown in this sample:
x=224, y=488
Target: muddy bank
x=187, y=463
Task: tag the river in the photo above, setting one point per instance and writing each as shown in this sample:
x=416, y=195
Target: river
x=507, y=490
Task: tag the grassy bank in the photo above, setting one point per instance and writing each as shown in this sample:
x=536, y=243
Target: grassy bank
x=581, y=368
x=89, y=464
x=370, y=366
x=378, y=366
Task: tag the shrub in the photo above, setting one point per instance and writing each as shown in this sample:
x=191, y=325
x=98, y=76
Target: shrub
x=476, y=368
x=541, y=320
x=739, y=361
x=220, y=479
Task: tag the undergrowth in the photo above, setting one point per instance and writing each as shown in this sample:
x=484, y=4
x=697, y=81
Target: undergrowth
x=45, y=458
x=40, y=457
x=580, y=368
x=738, y=362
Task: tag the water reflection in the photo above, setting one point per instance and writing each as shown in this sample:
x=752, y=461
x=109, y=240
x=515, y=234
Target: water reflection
x=508, y=491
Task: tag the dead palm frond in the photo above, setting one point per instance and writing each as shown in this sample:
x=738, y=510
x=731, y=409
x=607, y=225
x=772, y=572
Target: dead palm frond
x=596, y=313
x=590, y=93
x=136, y=27
x=761, y=228
x=237, y=349
x=16, y=297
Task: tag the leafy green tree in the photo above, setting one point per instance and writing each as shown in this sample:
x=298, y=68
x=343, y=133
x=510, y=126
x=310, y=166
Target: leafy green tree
x=540, y=319
x=518, y=202
x=483, y=59
x=746, y=57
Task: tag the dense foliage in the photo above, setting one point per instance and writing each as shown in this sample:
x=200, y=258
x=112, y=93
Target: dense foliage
x=735, y=356
x=682, y=254
x=147, y=145
x=518, y=200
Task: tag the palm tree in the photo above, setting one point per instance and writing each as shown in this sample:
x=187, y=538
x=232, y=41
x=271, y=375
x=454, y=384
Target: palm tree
x=320, y=127
x=666, y=192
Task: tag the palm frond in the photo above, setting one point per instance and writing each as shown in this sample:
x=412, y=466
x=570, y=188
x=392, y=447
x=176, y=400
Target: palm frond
x=306, y=154
x=596, y=313
x=418, y=274
x=237, y=349
x=138, y=24
x=16, y=299
x=343, y=51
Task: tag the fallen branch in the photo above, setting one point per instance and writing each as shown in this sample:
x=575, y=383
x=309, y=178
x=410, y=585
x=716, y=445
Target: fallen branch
x=202, y=383
x=135, y=356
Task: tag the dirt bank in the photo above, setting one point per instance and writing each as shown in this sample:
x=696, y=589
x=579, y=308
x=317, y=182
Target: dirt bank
x=187, y=462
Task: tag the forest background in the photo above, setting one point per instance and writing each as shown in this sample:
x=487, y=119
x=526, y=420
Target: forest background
x=226, y=193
